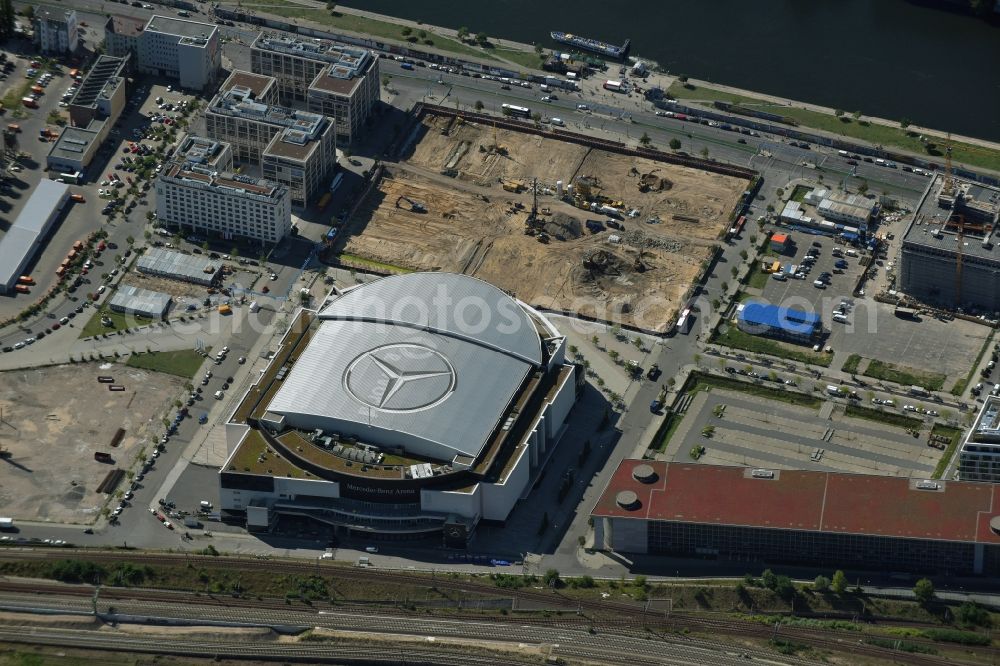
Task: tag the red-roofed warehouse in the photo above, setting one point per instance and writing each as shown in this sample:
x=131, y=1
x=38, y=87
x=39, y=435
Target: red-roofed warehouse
x=802, y=517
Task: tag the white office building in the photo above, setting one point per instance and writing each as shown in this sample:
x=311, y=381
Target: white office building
x=198, y=192
x=188, y=51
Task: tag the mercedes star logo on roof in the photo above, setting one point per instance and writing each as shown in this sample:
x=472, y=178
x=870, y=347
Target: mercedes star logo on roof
x=401, y=377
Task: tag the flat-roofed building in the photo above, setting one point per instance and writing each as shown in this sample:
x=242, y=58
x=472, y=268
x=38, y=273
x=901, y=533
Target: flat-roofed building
x=76, y=147
x=135, y=300
x=293, y=148
x=336, y=80
x=810, y=518
x=56, y=31
x=178, y=266
x=979, y=459
x=197, y=191
x=30, y=228
x=188, y=51
x=103, y=93
x=928, y=265
x=121, y=36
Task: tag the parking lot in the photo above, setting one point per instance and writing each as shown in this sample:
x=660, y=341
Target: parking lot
x=755, y=431
x=869, y=328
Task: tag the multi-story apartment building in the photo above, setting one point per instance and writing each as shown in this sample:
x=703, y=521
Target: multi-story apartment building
x=198, y=192
x=188, y=51
x=335, y=80
x=121, y=36
x=294, y=148
x=55, y=31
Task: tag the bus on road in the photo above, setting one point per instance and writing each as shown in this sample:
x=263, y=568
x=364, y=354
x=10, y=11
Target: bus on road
x=519, y=111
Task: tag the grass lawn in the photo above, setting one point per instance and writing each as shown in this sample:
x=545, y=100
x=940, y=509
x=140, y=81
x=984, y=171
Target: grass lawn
x=963, y=383
x=881, y=416
x=365, y=26
x=701, y=382
x=956, y=436
x=800, y=192
x=847, y=127
x=119, y=322
x=12, y=100
x=758, y=278
x=528, y=59
x=671, y=422
x=183, y=363
x=851, y=364
x=932, y=381
x=737, y=339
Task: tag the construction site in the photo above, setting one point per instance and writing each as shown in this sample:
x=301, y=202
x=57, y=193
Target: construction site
x=564, y=222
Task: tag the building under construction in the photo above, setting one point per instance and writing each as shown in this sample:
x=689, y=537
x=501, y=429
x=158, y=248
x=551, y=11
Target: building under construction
x=950, y=253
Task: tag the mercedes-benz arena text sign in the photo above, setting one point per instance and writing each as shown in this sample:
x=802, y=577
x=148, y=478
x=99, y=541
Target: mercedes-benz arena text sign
x=401, y=377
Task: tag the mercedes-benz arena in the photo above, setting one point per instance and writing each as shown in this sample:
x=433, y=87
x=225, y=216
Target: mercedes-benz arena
x=409, y=406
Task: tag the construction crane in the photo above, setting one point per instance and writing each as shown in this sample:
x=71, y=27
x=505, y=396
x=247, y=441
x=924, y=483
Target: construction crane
x=949, y=183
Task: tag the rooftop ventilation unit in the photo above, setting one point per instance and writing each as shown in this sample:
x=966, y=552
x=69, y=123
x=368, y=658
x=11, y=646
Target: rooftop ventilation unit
x=762, y=473
x=928, y=485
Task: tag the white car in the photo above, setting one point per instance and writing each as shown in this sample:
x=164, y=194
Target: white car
x=582, y=107
x=909, y=408
x=101, y=289
x=19, y=345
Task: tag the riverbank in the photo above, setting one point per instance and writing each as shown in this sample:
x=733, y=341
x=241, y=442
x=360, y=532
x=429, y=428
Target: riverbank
x=971, y=152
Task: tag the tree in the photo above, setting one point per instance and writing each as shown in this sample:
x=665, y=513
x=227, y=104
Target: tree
x=7, y=18
x=675, y=144
x=422, y=34
x=863, y=187
x=479, y=105
x=644, y=139
x=406, y=31
x=539, y=50
x=331, y=6
x=839, y=113
x=613, y=354
x=682, y=78
x=839, y=582
x=924, y=590
x=821, y=584
x=463, y=33
x=734, y=271
x=904, y=122
x=856, y=115
x=482, y=38
x=769, y=579
x=704, y=152
x=536, y=116
x=130, y=240
x=637, y=343
x=551, y=577
x=385, y=80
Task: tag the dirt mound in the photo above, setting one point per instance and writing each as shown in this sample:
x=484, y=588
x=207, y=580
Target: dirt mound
x=604, y=262
x=565, y=225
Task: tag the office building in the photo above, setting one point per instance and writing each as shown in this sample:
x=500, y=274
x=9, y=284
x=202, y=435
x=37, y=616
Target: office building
x=56, y=32
x=293, y=148
x=776, y=321
x=198, y=192
x=979, y=458
x=187, y=51
x=818, y=519
x=410, y=421
x=954, y=217
x=102, y=94
x=853, y=210
x=334, y=80
x=121, y=36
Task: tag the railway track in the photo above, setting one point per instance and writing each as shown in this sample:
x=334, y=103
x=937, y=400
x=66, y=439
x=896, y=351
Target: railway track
x=616, y=617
